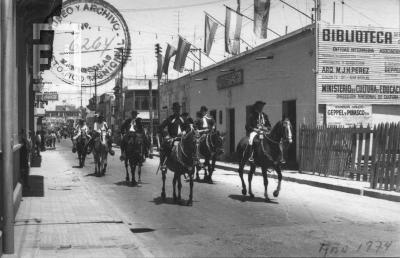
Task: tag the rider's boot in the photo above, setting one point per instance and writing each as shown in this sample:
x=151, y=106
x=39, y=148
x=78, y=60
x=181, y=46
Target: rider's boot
x=73, y=146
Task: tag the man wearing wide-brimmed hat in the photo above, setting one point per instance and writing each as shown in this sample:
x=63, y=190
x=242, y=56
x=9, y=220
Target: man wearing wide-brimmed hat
x=204, y=123
x=176, y=126
x=133, y=125
x=80, y=128
x=100, y=126
x=257, y=121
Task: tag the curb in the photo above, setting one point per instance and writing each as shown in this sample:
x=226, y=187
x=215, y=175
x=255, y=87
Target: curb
x=340, y=188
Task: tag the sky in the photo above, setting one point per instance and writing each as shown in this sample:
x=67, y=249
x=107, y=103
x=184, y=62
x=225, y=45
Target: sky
x=159, y=21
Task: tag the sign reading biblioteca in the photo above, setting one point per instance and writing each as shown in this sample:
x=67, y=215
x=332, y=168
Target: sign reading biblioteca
x=358, y=65
x=348, y=115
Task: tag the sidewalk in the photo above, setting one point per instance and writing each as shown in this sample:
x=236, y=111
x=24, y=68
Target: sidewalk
x=63, y=216
x=331, y=183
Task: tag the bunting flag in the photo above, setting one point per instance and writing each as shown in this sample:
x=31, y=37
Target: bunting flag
x=261, y=16
x=181, y=54
x=169, y=53
x=159, y=65
x=233, y=28
x=209, y=33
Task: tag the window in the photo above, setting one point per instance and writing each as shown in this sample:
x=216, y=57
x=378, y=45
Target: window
x=142, y=102
x=220, y=117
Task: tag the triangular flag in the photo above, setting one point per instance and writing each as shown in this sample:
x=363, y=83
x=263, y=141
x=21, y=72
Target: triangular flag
x=233, y=29
x=209, y=33
x=181, y=54
x=261, y=16
x=169, y=53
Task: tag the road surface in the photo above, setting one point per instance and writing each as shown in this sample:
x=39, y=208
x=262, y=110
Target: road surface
x=302, y=221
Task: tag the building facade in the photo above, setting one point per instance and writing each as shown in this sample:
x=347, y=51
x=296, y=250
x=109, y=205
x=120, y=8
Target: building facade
x=285, y=73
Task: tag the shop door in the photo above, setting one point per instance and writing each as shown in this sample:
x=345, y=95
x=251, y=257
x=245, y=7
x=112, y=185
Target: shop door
x=231, y=130
x=289, y=111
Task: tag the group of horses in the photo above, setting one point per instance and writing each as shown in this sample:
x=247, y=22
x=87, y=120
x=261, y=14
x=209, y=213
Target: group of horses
x=183, y=159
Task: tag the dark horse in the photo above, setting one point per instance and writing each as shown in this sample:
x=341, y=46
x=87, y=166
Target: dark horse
x=100, y=153
x=181, y=161
x=210, y=147
x=81, y=147
x=266, y=155
x=135, y=149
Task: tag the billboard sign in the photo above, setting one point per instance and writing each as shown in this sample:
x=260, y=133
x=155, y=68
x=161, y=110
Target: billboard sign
x=358, y=65
x=50, y=96
x=348, y=115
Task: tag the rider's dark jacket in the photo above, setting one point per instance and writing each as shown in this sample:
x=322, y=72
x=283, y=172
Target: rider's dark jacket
x=254, y=119
x=126, y=126
x=173, y=123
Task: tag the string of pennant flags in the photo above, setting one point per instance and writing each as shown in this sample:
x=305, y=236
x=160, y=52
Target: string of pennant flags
x=233, y=29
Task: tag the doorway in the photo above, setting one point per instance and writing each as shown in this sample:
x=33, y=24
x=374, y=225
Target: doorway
x=231, y=130
x=289, y=111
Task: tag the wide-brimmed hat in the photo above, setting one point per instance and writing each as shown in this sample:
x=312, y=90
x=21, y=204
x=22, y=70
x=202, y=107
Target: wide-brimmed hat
x=259, y=102
x=203, y=108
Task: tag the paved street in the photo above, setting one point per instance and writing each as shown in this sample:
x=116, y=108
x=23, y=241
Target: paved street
x=88, y=216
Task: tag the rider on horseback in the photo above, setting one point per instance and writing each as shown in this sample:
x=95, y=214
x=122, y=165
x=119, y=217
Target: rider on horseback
x=176, y=126
x=257, y=122
x=132, y=125
x=101, y=126
x=79, y=129
x=204, y=123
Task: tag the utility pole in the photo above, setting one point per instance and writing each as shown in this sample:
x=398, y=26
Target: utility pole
x=151, y=115
x=158, y=53
x=7, y=84
x=317, y=10
x=122, y=85
x=95, y=89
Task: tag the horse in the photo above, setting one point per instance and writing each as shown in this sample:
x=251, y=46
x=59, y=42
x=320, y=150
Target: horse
x=81, y=147
x=210, y=147
x=181, y=161
x=135, y=148
x=266, y=155
x=100, y=153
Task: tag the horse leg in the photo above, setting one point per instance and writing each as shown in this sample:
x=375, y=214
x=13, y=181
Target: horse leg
x=105, y=164
x=179, y=188
x=164, y=176
x=190, y=201
x=278, y=188
x=127, y=172
x=140, y=173
x=133, y=170
x=174, y=185
x=250, y=178
x=198, y=168
x=265, y=177
x=241, y=167
x=206, y=169
x=212, y=168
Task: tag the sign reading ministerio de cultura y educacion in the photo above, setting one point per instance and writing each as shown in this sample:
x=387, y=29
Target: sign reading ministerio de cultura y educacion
x=358, y=65
x=95, y=48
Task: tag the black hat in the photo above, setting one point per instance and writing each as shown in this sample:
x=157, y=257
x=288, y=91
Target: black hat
x=260, y=102
x=176, y=105
x=203, y=108
x=134, y=112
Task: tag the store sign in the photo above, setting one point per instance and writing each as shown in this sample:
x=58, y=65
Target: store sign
x=230, y=79
x=348, y=115
x=39, y=112
x=358, y=65
x=96, y=52
x=50, y=96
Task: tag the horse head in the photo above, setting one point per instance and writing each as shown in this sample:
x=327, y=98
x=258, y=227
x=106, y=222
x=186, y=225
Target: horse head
x=282, y=131
x=217, y=141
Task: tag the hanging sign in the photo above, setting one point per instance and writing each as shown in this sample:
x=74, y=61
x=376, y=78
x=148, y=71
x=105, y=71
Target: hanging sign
x=358, y=65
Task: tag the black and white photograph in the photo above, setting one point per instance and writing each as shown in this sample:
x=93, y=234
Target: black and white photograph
x=199, y=128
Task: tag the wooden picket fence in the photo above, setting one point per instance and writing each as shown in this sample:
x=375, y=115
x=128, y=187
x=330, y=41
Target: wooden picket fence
x=362, y=154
